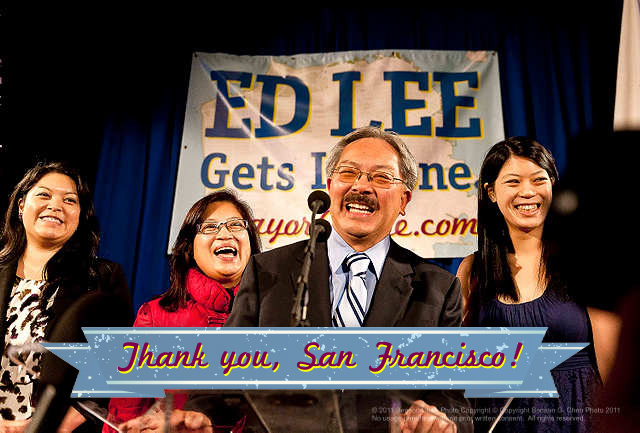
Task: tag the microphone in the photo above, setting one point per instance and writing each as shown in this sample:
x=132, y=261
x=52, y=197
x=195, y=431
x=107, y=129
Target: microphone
x=324, y=229
x=319, y=201
x=319, y=229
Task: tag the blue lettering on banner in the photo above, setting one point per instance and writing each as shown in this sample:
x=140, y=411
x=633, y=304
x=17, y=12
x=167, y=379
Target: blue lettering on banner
x=205, y=172
x=264, y=167
x=425, y=169
x=243, y=175
x=242, y=171
x=213, y=174
x=319, y=182
x=284, y=176
x=221, y=120
x=346, y=105
x=451, y=102
x=455, y=173
x=459, y=171
x=400, y=104
x=268, y=128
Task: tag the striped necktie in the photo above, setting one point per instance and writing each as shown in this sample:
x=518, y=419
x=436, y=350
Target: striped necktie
x=352, y=306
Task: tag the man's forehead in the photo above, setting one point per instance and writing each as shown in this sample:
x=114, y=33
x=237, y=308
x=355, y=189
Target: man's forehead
x=376, y=166
x=358, y=153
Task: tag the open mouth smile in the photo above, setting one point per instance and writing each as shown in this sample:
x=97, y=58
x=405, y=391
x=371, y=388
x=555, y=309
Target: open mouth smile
x=359, y=208
x=360, y=204
x=226, y=251
x=527, y=207
x=52, y=219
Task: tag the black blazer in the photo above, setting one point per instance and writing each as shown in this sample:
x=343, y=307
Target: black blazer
x=112, y=287
x=411, y=292
x=108, y=304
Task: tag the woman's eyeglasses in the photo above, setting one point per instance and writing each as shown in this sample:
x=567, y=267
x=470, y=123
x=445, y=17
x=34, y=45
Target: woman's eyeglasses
x=213, y=228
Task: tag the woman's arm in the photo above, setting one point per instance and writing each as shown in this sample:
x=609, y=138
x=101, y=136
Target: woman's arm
x=464, y=275
x=144, y=318
x=606, y=327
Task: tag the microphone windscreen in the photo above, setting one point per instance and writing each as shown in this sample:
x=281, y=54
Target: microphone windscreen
x=323, y=235
x=321, y=196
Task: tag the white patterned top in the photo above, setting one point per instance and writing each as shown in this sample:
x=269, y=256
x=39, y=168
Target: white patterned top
x=26, y=324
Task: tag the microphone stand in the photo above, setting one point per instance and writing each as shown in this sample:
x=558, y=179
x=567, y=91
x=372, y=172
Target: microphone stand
x=299, y=310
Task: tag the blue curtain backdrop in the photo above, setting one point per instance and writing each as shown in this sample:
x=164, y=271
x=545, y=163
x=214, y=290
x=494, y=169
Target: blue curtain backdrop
x=557, y=72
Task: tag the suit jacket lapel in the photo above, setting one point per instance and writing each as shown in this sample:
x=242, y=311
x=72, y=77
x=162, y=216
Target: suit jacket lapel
x=63, y=299
x=319, y=311
x=62, y=302
x=392, y=292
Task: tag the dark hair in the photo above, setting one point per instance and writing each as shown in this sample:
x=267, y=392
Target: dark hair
x=71, y=266
x=182, y=259
x=491, y=271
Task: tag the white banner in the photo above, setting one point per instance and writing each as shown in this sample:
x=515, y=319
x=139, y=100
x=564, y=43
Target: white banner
x=263, y=126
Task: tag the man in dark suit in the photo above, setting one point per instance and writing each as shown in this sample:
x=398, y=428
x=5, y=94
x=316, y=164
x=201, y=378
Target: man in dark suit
x=370, y=176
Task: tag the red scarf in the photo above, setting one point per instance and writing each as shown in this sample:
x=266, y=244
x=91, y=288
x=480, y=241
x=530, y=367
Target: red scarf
x=208, y=292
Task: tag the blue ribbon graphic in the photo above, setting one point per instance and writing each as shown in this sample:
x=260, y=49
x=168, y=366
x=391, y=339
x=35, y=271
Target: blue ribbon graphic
x=342, y=358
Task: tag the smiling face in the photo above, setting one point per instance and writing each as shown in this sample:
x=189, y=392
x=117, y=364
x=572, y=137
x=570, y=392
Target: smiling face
x=224, y=255
x=523, y=193
x=362, y=214
x=50, y=211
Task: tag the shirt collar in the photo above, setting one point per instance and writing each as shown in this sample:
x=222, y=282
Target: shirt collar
x=338, y=249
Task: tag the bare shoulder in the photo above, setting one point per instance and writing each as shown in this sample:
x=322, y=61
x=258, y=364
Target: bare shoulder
x=464, y=274
x=465, y=266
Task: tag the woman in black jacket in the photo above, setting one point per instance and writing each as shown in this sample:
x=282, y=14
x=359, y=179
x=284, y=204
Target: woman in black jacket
x=48, y=262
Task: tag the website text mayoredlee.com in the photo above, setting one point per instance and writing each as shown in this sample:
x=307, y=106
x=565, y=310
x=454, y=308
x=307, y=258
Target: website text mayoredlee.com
x=271, y=229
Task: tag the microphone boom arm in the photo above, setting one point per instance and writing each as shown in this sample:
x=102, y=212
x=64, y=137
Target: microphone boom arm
x=316, y=228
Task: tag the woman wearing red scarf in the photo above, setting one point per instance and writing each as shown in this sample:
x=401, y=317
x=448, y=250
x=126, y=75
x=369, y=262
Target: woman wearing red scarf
x=211, y=251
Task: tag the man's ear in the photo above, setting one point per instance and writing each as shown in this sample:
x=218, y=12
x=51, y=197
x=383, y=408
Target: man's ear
x=404, y=201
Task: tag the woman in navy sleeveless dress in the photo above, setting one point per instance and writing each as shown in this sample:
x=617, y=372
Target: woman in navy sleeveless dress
x=576, y=379
x=511, y=282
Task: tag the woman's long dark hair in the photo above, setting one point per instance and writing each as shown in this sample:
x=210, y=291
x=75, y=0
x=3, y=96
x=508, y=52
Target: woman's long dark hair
x=491, y=275
x=182, y=259
x=71, y=267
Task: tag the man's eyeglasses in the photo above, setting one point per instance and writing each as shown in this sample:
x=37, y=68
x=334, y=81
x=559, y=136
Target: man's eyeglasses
x=211, y=228
x=378, y=179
